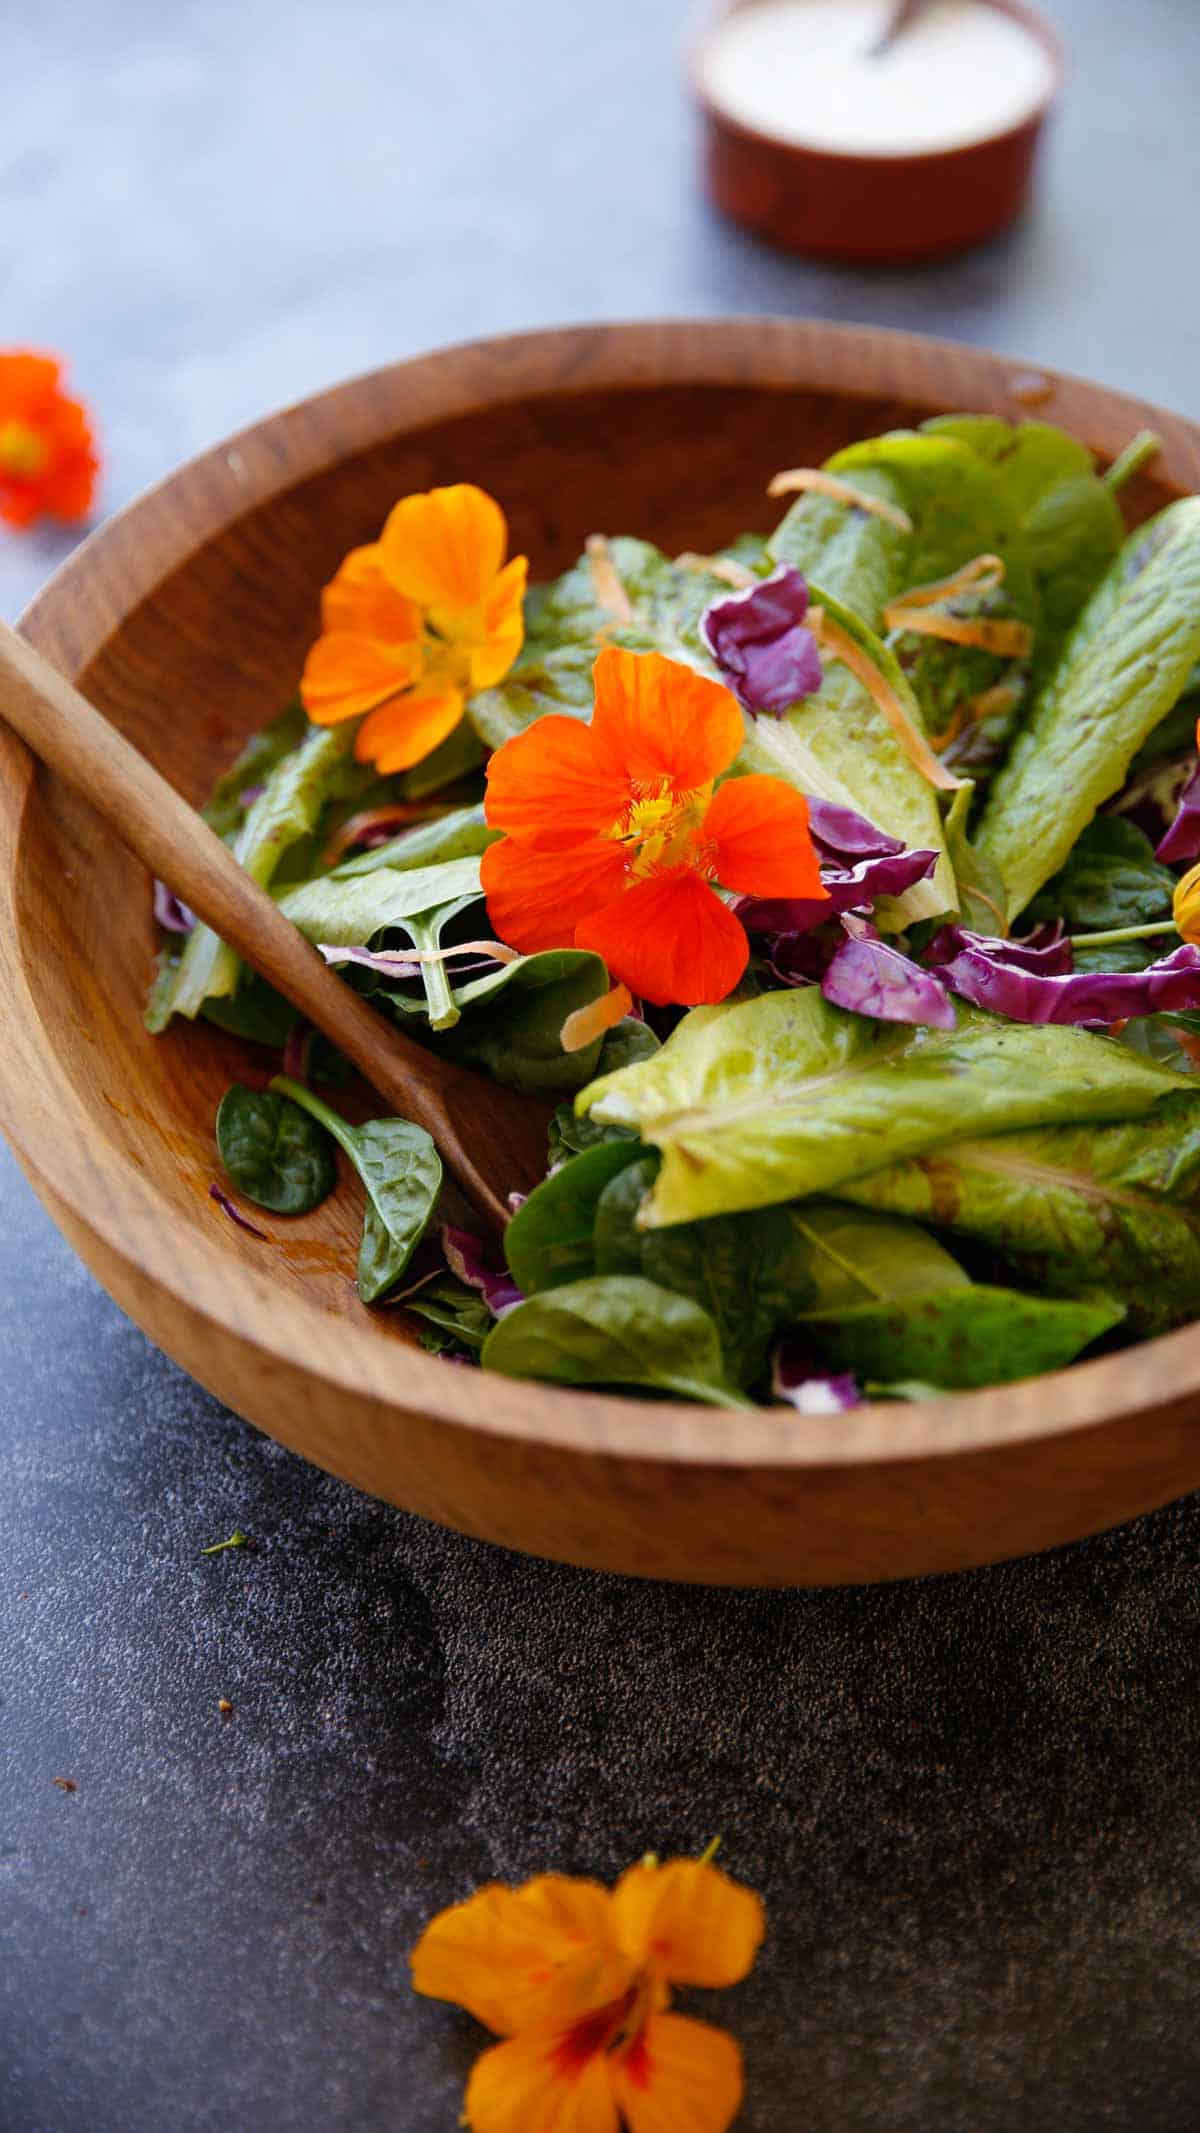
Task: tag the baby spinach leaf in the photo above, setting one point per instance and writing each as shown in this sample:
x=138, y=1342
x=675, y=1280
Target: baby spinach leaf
x=957, y=1338
x=1126, y=662
x=401, y=1172
x=1111, y=879
x=614, y=1330
x=750, y=1272
x=958, y=506
x=1072, y=1205
x=623, y=1046
x=769, y=1099
x=549, y=1240
x=459, y=1315
x=255, y=1011
x=518, y=1040
x=286, y=809
x=276, y=1154
x=353, y=906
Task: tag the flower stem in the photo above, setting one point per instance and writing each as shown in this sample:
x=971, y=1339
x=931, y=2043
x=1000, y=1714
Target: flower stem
x=1120, y=934
x=1141, y=448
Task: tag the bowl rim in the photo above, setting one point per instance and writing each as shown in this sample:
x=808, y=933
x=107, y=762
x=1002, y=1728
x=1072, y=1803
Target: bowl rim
x=809, y=154
x=73, y=618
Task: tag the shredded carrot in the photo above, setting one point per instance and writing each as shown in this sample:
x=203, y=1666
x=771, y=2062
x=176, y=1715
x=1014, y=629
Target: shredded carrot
x=983, y=574
x=403, y=813
x=914, y=743
x=796, y=479
x=610, y=593
x=590, y=1022
x=717, y=566
x=991, y=703
x=1008, y=640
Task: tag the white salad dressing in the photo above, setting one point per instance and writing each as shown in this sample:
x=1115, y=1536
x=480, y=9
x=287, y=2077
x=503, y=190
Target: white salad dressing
x=803, y=71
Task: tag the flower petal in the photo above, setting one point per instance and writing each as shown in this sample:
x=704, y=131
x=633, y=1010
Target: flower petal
x=759, y=827
x=345, y=675
x=443, y=548
x=400, y=734
x=537, y=899
x=521, y=2087
x=656, y=719
x=542, y=1953
x=359, y=597
x=549, y=787
x=670, y=939
x=698, y=1925
x=504, y=623
x=679, y=2076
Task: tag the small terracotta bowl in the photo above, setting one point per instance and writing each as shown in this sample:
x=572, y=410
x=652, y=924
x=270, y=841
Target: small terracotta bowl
x=888, y=209
x=186, y=619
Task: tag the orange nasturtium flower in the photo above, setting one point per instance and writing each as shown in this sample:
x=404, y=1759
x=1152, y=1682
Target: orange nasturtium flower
x=48, y=462
x=577, y=1979
x=615, y=838
x=415, y=622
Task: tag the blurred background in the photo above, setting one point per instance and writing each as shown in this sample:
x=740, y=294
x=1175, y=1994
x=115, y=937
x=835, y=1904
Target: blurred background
x=213, y=209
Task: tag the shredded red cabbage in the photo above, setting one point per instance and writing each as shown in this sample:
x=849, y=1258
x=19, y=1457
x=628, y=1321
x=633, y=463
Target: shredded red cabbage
x=793, y=1380
x=1182, y=840
x=170, y=913
x=870, y=978
x=235, y=1213
x=758, y=639
x=985, y=972
x=466, y=1256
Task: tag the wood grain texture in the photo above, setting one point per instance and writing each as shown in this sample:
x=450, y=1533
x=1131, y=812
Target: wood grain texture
x=492, y=1141
x=185, y=621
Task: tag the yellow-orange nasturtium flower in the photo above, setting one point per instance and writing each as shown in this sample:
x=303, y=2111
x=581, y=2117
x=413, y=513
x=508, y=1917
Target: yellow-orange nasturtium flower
x=414, y=623
x=1186, y=906
x=576, y=1979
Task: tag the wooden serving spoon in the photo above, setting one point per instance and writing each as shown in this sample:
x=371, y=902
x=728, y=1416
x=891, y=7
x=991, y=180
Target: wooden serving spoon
x=492, y=1140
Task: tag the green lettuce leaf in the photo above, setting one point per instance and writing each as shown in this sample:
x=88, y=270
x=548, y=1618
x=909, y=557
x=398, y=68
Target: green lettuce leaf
x=287, y=809
x=517, y=1040
x=1071, y=1206
x=758, y=1101
x=839, y=746
x=860, y=558
x=1125, y=664
x=353, y=907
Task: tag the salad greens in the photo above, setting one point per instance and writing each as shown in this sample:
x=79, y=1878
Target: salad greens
x=846, y=1178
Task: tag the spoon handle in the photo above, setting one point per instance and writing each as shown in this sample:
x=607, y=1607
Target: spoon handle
x=156, y=824
x=904, y=14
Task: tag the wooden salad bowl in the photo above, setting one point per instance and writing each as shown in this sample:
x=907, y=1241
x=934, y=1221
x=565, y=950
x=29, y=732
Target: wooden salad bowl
x=186, y=620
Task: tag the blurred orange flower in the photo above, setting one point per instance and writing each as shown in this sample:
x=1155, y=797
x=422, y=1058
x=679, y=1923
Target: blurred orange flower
x=48, y=462
x=415, y=622
x=616, y=840
x=577, y=1979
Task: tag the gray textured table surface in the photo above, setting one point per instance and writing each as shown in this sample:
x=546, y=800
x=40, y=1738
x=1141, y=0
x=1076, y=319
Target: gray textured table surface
x=971, y=1805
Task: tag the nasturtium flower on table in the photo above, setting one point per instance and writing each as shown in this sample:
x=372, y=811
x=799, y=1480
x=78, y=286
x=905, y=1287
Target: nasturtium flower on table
x=576, y=1978
x=414, y=623
x=615, y=838
x=48, y=459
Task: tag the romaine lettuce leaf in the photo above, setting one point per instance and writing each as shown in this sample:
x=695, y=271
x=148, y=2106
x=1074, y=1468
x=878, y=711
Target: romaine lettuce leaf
x=770, y=1099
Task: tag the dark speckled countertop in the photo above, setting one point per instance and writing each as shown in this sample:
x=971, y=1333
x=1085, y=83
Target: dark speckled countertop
x=971, y=1805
